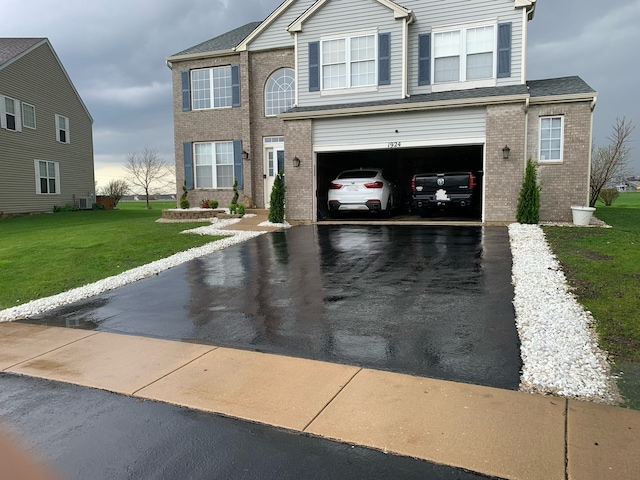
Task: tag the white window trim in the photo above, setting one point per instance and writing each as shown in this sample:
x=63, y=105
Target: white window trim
x=267, y=84
x=66, y=129
x=16, y=114
x=213, y=166
x=211, y=89
x=555, y=160
x=462, y=80
x=36, y=164
x=24, y=116
x=347, y=37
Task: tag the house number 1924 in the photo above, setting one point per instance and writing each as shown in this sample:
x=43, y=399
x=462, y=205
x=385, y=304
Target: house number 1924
x=393, y=145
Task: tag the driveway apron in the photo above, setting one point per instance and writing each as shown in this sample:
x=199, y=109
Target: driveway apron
x=432, y=301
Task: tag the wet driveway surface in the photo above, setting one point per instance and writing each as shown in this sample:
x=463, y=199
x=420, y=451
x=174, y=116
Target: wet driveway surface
x=431, y=301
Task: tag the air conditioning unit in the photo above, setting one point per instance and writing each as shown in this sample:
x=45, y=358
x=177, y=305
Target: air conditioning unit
x=85, y=203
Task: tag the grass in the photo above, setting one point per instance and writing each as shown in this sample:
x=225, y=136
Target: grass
x=603, y=267
x=42, y=255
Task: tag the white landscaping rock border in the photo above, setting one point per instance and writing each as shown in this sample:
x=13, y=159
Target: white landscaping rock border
x=559, y=347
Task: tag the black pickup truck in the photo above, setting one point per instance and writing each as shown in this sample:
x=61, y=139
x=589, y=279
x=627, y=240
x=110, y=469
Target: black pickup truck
x=439, y=191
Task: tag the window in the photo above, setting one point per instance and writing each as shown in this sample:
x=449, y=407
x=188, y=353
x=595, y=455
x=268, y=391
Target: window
x=466, y=54
x=10, y=110
x=47, y=177
x=349, y=62
x=216, y=87
x=551, y=139
x=28, y=115
x=214, y=166
x=279, y=92
x=62, y=129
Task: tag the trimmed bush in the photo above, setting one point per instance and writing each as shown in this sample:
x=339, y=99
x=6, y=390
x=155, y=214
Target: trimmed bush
x=213, y=203
x=184, y=202
x=529, y=202
x=276, y=203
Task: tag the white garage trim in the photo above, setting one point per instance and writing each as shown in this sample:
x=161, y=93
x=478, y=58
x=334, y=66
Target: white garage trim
x=445, y=142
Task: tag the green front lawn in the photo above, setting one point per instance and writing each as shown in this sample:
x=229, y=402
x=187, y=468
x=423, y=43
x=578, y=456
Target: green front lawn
x=42, y=255
x=603, y=267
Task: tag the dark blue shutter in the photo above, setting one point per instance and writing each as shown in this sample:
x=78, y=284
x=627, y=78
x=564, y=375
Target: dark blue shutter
x=314, y=66
x=384, y=59
x=424, y=59
x=235, y=85
x=237, y=162
x=504, y=50
x=188, y=164
x=186, y=90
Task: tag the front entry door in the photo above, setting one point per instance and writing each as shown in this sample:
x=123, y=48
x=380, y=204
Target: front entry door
x=273, y=164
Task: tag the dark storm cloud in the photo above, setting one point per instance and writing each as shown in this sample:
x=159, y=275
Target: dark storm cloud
x=114, y=53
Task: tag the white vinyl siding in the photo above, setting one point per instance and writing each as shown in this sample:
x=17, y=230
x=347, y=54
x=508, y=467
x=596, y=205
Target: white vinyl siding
x=62, y=129
x=335, y=21
x=28, y=115
x=445, y=127
x=276, y=35
x=436, y=16
x=213, y=165
x=47, y=177
x=551, y=139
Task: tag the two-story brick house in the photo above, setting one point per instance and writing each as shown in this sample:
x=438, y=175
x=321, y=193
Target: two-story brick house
x=46, y=132
x=325, y=85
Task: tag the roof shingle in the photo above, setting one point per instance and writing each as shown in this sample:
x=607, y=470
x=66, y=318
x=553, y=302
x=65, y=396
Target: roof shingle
x=226, y=41
x=12, y=47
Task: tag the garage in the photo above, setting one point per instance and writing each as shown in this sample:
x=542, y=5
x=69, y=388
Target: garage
x=403, y=144
x=400, y=165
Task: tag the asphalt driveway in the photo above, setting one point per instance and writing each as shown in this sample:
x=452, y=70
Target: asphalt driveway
x=431, y=301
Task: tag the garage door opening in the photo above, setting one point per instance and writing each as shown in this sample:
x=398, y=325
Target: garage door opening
x=400, y=165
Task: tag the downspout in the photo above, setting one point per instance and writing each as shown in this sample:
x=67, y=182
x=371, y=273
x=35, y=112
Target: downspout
x=295, y=55
x=405, y=56
x=526, y=130
x=593, y=107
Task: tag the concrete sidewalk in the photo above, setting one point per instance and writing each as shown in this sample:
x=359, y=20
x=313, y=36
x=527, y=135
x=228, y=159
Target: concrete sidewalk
x=495, y=432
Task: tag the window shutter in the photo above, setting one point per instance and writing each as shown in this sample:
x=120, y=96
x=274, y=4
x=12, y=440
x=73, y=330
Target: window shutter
x=314, y=66
x=504, y=50
x=188, y=165
x=424, y=59
x=235, y=85
x=237, y=162
x=3, y=113
x=384, y=59
x=186, y=90
x=36, y=164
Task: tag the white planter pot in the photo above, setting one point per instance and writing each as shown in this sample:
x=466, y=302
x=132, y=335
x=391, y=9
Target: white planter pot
x=582, y=215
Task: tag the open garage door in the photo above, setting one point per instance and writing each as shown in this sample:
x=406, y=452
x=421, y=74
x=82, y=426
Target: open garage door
x=400, y=165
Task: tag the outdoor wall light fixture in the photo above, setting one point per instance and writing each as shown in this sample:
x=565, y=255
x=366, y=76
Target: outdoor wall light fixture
x=296, y=162
x=245, y=155
x=505, y=152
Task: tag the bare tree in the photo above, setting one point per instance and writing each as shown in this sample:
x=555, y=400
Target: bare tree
x=611, y=160
x=148, y=170
x=116, y=189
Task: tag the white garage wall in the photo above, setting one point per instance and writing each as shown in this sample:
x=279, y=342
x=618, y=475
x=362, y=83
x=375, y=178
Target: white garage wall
x=400, y=130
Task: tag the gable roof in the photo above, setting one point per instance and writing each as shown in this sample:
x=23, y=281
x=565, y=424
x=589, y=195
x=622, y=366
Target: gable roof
x=225, y=42
x=13, y=49
x=398, y=12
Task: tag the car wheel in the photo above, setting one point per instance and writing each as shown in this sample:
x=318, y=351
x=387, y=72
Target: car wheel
x=387, y=211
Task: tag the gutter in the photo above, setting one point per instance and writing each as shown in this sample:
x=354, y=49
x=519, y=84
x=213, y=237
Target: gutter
x=571, y=98
x=403, y=107
x=192, y=56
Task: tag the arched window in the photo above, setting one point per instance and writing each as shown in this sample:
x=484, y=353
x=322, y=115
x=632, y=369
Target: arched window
x=279, y=92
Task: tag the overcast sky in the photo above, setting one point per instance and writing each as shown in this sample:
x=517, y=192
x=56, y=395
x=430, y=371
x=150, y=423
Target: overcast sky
x=114, y=53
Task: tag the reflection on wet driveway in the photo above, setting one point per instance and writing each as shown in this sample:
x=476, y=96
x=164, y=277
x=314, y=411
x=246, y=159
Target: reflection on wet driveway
x=425, y=300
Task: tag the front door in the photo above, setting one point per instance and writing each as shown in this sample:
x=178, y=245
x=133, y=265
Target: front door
x=273, y=164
